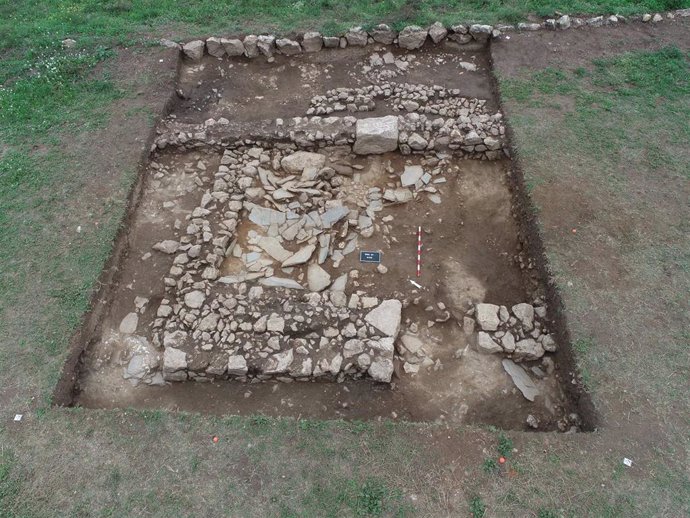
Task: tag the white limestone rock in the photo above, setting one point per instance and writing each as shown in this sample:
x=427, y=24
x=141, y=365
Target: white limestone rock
x=376, y=135
x=386, y=317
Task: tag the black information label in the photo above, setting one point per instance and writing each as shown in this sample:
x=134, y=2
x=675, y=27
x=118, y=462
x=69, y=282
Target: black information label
x=370, y=257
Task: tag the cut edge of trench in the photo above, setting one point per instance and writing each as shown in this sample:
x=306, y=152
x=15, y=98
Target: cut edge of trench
x=66, y=389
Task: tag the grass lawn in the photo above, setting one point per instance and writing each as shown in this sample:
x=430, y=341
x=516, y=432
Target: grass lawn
x=618, y=133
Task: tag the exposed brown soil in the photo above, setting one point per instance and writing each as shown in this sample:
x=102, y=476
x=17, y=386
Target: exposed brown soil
x=471, y=240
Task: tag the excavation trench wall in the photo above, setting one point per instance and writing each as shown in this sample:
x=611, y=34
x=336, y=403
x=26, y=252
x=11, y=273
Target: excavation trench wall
x=216, y=135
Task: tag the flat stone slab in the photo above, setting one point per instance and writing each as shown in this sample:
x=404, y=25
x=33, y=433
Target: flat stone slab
x=376, y=135
x=386, y=317
x=521, y=379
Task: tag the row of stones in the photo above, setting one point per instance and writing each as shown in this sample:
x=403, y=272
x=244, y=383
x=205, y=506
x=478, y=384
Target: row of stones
x=410, y=38
x=306, y=337
x=520, y=332
x=477, y=135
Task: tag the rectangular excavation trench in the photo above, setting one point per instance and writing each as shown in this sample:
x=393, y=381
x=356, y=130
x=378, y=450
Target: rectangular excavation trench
x=236, y=189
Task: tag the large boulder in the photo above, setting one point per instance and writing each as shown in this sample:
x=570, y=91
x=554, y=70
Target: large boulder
x=194, y=50
x=376, y=135
x=300, y=160
x=525, y=314
x=383, y=34
x=412, y=37
x=487, y=316
x=437, y=32
x=312, y=41
x=357, y=37
x=288, y=47
x=381, y=370
x=481, y=33
x=215, y=48
x=233, y=47
x=251, y=46
x=174, y=359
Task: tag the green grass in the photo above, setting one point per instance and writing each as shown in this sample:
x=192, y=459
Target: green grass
x=42, y=23
x=625, y=141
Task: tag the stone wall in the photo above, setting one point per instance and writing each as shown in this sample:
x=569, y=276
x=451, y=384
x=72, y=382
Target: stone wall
x=411, y=37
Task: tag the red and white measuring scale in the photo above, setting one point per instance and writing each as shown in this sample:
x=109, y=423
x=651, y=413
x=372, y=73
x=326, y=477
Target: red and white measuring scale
x=419, y=251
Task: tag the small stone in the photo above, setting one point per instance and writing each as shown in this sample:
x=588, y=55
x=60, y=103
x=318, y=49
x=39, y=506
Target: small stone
x=532, y=421
x=275, y=324
x=486, y=344
x=194, y=299
x=167, y=247
x=411, y=175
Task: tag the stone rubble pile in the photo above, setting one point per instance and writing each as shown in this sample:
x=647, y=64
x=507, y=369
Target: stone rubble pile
x=218, y=324
x=519, y=333
x=410, y=38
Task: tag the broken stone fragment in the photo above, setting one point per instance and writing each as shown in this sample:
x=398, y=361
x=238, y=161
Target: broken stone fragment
x=411, y=175
x=281, y=282
x=300, y=257
x=386, y=317
x=376, y=135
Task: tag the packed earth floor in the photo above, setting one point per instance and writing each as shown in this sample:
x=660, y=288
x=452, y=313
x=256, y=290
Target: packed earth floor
x=242, y=290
